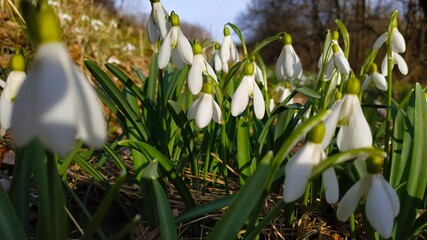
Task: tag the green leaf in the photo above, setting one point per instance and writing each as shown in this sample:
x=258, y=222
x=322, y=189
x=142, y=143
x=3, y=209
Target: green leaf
x=308, y=92
x=264, y=43
x=241, y=206
x=240, y=35
x=166, y=221
x=345, y=36
x=92, y=171
x=243, y=150
x=10, y=226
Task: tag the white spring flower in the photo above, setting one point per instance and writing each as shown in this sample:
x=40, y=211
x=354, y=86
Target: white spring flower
x=113, y=60
x=84, y=18
x=129, y=47
x=204, y=109
x=177, y=45
x=338, y=62
x=288, y=65
x=280, y=93
x=96, y=24
x=396, y=59
x=65, y=18
x=348, y=115
x=398, y=44
x=157, y=25
x=326, y=55
x=113, y=24
x=376, y=77
x=228, y=50
x=217, y=62
x=299, y=168
x=199, y=68
x=259, y=76
x=14, y=82
x=56, y=104
x=248, y=89
x=381, y=205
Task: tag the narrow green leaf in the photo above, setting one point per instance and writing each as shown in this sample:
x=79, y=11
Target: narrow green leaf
x=166, y=221
x=345, y=36
x=246, y=199
x=243, y=150
x=308, y=92
x=240, y=35
x=153, y=76
x=124, y=233
x=264, y=43
x=92, y=171
x=10, y=225
x=125, y=79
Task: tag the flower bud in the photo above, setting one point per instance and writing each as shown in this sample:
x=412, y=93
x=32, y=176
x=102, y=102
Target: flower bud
x=287, y=39
x=17, y=62
x=217, y=46
x=197, y=48
x=353, y=86
x=374, y=165
x=226, y=31
x=47, y=23
x=174, y=19
x=248, y=69
x=317, y=133
x=207, y=88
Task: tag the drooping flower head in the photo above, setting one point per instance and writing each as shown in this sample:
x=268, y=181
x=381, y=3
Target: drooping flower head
x=158, y=24
x=199, y=68
x=382, y=203
x=331, y=38
x=248, y=89
x=205, y=108
x=395, y=59
x=338, y=62
x=175, y=44
x=228, y=50
x=288, y=65
x=280, y=93
x=56, y=104
x=217, y=62
x=398, y=44
x=376, y=77
x=299, y=168
x=14, y=82
x=348, y=115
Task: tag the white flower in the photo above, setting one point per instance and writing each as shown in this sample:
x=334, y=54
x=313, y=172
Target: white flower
x=228, y=50
x=217, y=62
x=379, y=80
x=347, y=114
x=177, y=45
x=280, y=93
x=299, y=168
x=57, y=104
x=157, y=25
x=96, y=24
x=398, y=44
x=288, y=64
x=396, y=59
x=65, y=18
x=113, y=24
x=338, y=61
x=248, y=89
x=382, y=203
x=7, y=98
x=259, y=76
x=199, y=68
x=327, y=48
x=113, y=60
x=84, y=18
x=203, y=110
x=129, y=47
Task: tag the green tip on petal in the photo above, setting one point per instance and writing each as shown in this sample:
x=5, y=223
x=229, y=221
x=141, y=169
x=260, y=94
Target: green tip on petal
x=207, y=88
x=317, y=133
x=47, y=23
x=335, y=35
x=174, y=19
x=248, y=69
x=197, y=48
x=217, y=46
x=17, y=61
x=374, y=165
x=338, y=95
x=353, y=86
x=287, y=39
x=226, y=31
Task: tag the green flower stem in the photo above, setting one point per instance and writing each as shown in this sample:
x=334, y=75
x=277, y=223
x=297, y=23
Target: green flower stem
x=352, y=227
x=307, y=194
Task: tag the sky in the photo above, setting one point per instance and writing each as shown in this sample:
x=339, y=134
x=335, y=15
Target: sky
x=210, y=14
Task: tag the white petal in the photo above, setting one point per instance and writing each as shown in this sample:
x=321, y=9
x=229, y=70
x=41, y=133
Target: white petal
x=280, y=65
x=184, y=48
x=204, y=111
x=191, y=114
x=292, y=63
x=384, y=66
x=379, y=210
x=177, y=60
x=6, y=108
x=217, y=61
x=225, y=67
x=216, y=112
x=233, y=52
x=225, y=49
x=209, y=70
x=366, y=83
x=165, y=51
x=195, y=75
x=342, y=63
x=259, y=104
x=329, y=69
x=331, y=123
x=380, y=81
x=240, y=99
x=330, y=183
x=298, y=171
x=92, y=128
x=14, y=83
x=351, y=198
x=392, y=195
x=161, y=19
x=380, y=41
x=286, y=92
x=401, y=64
x=152, y=30
x=397, y=42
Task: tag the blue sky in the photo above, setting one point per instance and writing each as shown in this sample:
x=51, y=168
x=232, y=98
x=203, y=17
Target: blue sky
x=210, y=14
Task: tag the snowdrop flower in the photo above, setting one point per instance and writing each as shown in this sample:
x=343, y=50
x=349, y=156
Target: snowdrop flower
x=84, y=18
x=96, y=24
x=396, y=59
x=177, y=45
x=338, y=61
x=228, y=50
x=248, y=89
x=56, y=104
x=113, y=60
x=14, y=82
x=381, y=201
x=398, y=44
x=113, y=24
x=288, y=65
x=205, y=108
x=53, y=3
x=298, y=169
x=377, y=78
x=348, y=115
x=280, y=93
x=199, y=68
x=259, y=75
x=65, y=18
x=327, y=48
x=157, y=25
x=217, y=63
x=129, y=47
